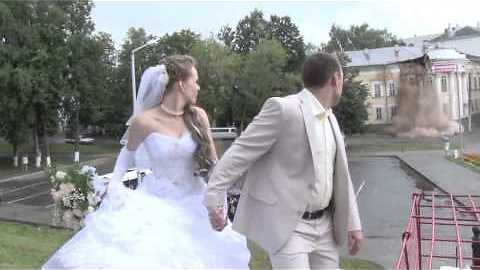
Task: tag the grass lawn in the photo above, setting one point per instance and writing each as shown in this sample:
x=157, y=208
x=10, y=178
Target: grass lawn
x=472, y=166
x=26, y=246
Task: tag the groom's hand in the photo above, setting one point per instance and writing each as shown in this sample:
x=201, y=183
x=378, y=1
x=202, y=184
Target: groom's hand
x=354, y=241
x=217, y=218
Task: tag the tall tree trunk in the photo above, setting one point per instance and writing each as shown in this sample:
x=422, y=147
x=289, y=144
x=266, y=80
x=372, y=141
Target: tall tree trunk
x=36, y=144
x=15, y=155
x=44, y=136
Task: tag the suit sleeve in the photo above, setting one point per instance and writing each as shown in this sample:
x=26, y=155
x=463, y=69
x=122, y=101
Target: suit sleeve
x=260, y=135
x=354, y=223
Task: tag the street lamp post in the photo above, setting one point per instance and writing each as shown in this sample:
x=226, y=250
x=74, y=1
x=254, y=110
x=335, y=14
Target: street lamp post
x=132, y=56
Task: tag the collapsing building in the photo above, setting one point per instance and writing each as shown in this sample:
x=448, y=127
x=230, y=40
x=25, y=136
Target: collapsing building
x=418, y=91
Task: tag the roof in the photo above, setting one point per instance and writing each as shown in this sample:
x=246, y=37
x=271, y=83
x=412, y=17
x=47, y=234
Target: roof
x=469, y=46
x=383, y=56
x=464, y=39
x=444, y=54
x=419, y=40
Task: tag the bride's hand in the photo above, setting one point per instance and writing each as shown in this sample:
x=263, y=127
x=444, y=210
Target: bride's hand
x=217, y=218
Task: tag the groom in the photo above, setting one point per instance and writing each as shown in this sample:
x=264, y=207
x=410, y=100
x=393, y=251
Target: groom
x=297, y=200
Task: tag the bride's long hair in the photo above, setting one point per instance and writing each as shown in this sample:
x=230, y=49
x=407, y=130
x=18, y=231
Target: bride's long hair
x=179, y=68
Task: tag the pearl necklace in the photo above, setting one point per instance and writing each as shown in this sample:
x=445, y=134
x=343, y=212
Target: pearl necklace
x=170, y=112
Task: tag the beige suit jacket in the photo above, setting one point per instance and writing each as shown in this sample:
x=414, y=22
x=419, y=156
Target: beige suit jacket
x=277, y=152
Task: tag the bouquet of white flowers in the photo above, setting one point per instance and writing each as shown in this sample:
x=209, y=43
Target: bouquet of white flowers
x=76, y=193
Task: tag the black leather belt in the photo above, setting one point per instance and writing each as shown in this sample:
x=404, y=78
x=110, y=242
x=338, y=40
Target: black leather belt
x=312, y=215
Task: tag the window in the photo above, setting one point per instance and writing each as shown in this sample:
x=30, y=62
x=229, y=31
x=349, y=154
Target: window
x=444, y=83
x=393, y=111
x=475, y=85
x=379, y=113
x=391, y=89
x=378, y=93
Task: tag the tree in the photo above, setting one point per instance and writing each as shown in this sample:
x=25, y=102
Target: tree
x=122, y=91
x=351, y=112
x=218, y=71
x=106, y=70
x=359, y=38
x=253, y=28
x=249, y=32
x=15, y=73
x=83, y=59
x=261, y=76
x=180, y=42
x=286, y=32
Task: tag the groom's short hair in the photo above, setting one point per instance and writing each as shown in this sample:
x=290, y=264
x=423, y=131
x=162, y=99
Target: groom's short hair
x=318, y=68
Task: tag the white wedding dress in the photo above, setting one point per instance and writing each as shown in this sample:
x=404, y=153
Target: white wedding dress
x=161, y=224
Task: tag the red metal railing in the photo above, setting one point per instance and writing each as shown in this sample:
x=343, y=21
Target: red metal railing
x=439, y=232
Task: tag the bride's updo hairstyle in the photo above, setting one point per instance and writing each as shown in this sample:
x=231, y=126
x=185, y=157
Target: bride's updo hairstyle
x=179, y=68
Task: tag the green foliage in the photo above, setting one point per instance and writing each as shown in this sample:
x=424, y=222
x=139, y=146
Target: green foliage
x=260, y=77
x=359, y=38
x=286, y=32
x=180, y=42
x=218, y=71
x=253, y=28
x=351, y=112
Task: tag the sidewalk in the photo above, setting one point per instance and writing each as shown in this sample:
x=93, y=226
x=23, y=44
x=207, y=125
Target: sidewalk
x=433, y=166
x=447, y=175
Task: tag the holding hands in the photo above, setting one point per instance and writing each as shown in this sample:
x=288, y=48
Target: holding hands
x=218, y=219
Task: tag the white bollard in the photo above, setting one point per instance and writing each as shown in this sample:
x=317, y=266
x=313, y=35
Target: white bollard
x=48, y=161
x=25, y=163
x=38, y=161
x=455, y=153
x=15, y=161
x=76, y=157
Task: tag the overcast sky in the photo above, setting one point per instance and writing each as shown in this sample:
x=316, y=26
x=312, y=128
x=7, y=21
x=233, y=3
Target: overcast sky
x=314, y=19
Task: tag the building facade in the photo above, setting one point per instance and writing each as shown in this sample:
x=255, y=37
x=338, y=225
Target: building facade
x=453, y=77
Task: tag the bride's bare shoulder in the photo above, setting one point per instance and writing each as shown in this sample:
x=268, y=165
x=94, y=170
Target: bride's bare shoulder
x=140, y=127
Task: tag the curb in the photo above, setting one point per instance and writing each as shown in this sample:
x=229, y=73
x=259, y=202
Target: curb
x=42, y=173
x=404, y=162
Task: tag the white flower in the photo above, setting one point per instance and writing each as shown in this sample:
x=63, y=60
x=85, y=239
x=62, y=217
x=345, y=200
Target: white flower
x=88, y=170
x=66, y=201
x=66, y=187
x=60, y=175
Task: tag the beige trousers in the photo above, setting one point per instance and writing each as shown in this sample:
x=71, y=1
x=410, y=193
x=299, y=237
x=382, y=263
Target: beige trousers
x=311, y=246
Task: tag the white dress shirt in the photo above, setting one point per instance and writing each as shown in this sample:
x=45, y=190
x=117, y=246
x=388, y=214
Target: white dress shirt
x=323, y=187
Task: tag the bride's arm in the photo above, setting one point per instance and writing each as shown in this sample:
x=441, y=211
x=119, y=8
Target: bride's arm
x=126, y=157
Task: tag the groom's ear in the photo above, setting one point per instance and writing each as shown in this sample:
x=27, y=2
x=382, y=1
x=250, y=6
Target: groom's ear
x=335, y=79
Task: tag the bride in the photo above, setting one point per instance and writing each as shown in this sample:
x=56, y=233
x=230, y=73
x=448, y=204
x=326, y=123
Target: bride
x=161, y=224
